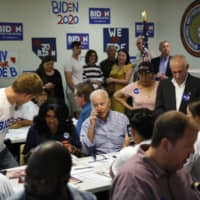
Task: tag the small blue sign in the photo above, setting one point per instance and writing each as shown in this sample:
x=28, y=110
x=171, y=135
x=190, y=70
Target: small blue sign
x=11, y=31
x=118, y=37
x=139, y=29
x=99, y=15
x=136, y=91
x=186, y=97
x=44, y=46
x=82, y=37
x=133, y=59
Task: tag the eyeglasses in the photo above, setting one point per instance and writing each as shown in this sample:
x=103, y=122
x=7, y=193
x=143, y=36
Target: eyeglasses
x=145, y=74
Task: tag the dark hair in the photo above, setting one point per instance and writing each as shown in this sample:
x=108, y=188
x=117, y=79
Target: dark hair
x=146, y=67
x=88, y=54
x=170, y=125
x=194, y=108
x=127, y=56
x=52, y=156
x=142, y=121
x=40, y=70
x=75, y=44
x=84, y=89
x=61, y=113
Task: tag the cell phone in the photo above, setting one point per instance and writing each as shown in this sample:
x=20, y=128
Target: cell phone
x=129, y=131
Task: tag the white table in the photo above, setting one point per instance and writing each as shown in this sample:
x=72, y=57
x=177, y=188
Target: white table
x=17, y=135
x=93, y=175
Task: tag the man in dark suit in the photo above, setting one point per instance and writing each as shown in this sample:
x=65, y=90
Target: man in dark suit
x=175, y=93
x=161, y=64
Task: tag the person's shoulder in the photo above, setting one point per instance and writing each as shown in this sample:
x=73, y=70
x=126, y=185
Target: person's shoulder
x=118, y=114
x=155, y=59
x=103, y=62
x=193, y=78
x=80, y=195
x=18, y=196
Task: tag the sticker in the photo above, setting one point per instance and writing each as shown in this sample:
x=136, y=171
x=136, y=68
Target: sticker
x=186, y=97
x=136, y=91
x=66, y=135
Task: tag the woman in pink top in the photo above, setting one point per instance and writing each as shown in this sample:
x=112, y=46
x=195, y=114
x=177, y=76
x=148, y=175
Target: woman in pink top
x=143, y=91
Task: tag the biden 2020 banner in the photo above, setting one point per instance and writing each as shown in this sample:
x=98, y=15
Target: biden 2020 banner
x=9, y=67
x=81, y=37
x=99, y=15
x=44, y=47
x=11, y=31
x=118, y=37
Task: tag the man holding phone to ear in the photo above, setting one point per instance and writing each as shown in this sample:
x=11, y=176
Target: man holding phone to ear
x=104, y=131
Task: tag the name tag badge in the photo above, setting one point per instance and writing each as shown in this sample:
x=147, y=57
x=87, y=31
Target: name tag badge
x=186, y=97
x=136, y=91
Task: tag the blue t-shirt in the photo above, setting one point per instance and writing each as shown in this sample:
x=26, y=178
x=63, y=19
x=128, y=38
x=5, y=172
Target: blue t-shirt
x=85, y=113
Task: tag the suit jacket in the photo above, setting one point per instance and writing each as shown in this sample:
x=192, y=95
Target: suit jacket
x=156, y=62
x=166, y=97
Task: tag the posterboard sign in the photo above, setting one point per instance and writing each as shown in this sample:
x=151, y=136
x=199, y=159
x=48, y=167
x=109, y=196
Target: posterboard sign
x=118, y=37
x=139, y=29
x=44, y=46
x=82, y=37
x=9, y=67
x=99, y=15
x=11, y=31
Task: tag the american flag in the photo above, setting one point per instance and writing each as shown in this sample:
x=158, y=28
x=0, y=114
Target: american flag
x=145, y=51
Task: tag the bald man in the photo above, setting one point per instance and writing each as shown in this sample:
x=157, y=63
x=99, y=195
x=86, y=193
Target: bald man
x=175, y=93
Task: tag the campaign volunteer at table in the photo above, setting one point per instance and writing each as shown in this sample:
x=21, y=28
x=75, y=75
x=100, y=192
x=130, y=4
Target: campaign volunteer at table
x=24, y=88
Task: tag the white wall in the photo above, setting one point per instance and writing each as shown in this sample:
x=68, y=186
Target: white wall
x=38, y=21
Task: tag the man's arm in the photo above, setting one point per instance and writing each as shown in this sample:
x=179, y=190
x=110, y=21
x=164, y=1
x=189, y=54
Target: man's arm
x=68, y=77
x=160, y=108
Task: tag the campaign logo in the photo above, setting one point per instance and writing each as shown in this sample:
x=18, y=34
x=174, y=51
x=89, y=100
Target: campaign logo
x=190, y=29
x=67, y=12
x=99, y=15
x=8, y=66
x=44, y=46
x=11, y=31
x=139, y=29
x=132, y=59
x=81, y=37
x=118, y=37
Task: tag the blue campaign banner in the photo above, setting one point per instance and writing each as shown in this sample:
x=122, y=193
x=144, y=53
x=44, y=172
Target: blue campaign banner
x=11, y=31
x=82, y=37
x=133, y=59
x=118, y=37
x=139, y=29
x=99, y=15
x=44, y=46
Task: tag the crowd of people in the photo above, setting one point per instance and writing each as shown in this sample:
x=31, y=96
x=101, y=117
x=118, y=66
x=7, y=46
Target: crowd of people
x=148, y=111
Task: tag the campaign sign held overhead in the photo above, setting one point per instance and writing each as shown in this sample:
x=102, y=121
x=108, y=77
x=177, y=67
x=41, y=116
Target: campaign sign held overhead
x=99, y=15
x=11, y=31
x=118, y=37
x=44, y=46
x=139, y=29
x=81, y=37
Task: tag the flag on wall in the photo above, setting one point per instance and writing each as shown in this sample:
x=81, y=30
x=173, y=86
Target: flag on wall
x=145, y=51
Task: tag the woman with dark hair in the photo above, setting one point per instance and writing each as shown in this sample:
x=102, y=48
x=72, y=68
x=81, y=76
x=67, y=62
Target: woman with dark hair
x=91, y=71
x=51, y=78
x=52, y=123
x=142, y=92
x=119, y=77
